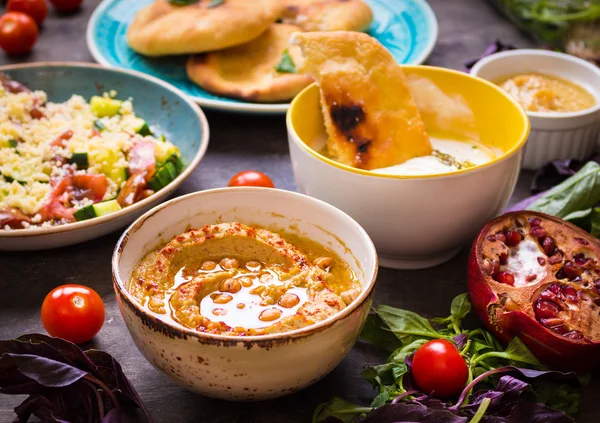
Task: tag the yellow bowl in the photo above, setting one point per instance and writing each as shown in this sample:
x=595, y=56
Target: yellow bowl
x=417, y=221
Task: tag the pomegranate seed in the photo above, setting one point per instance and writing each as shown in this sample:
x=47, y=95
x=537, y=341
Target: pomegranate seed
x=503, y=258
x=580, y=259
x=554, y=322
x=574, y=334
x=560, y=329
x=505, y=277
x=570, y=293
x=548, y=245
x=545, y=309
x=531, y=278
x=512, y=238
x=500, y=237
x=541, y=261
x=581, y=241
x=572, y=270
x=597, y=301
x=538, y=232
x=534, y=221
x=560, y=274
x=495, y=266
x=491, y=238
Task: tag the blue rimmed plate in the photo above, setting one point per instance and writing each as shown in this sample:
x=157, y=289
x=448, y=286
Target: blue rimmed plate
x=408, y=28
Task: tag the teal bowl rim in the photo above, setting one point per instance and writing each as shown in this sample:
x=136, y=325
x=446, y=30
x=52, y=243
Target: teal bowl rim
x=33, y=232
x=241, y=106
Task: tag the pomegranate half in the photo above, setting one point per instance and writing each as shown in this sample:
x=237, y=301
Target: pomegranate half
x=538, y=277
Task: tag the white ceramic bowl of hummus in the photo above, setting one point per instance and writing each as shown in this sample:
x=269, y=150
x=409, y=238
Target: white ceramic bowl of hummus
x=248, y=367
x=419, y=214
x=554, y=135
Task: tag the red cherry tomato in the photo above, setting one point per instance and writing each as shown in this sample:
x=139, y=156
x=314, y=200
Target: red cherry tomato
x=37, y=9
x=439, y=369
x=66, y=6
x=251, y=178
x=18, y=32
x=73, y=312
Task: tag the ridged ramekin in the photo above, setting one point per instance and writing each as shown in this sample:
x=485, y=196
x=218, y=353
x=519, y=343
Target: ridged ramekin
x=553, y=135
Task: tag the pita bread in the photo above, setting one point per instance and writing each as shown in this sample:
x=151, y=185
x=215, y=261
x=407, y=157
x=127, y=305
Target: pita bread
x=248, y=71
x=328, y=15
x=370, y=116
x=163, y=28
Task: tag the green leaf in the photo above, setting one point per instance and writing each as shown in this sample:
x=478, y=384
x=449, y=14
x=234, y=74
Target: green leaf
x=406, y=325
x=381, y=398
x=461, y=306
x=399, y=370
x=215, y=3
x=518, y=351
x=286, y=64
x=595, y=222
x=579, y=192
x=375, y=375
x=375, y=332
x=340, y=409
x=560, y=397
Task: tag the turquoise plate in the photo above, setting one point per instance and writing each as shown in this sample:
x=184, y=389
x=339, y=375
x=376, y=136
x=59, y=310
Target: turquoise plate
x=408, y=28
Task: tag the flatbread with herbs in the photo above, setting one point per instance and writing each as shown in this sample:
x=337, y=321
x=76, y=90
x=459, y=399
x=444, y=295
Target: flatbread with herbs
x=165, y=28
x=248, y=71
x=328, y=15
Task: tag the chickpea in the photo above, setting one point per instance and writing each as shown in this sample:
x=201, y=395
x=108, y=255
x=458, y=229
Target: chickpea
x=350, y=295
x=229, y=263
x=246, y=281
x=219, y=312
x=270, y=314
x=288, y=300
x=323, y=262
x=266, y=278
x=208, y=265
x=258, y=290
x=230, y=285
x=221, y=298
x=241, y=305
x=253, y=265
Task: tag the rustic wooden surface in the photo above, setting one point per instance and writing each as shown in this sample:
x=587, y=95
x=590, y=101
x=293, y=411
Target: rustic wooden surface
x=240, y=142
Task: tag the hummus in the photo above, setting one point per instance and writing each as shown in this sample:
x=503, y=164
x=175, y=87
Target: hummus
x=537, y=92
x=233, y=279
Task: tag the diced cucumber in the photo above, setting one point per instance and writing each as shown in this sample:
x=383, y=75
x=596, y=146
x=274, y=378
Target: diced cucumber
x=13, y=143
x=10, y=179
x=144, y=130
x=164, y=176
x=105, y=107
x=99, y=125
x=80, y=159
x=117, y=174
x=164, y=150
x=176, y=160
x=97, y=210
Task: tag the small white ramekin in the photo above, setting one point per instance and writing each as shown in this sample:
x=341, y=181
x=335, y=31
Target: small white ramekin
x=553, y=135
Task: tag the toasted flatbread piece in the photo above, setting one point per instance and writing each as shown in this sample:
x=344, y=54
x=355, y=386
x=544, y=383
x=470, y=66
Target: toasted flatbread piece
x=328, y=15
x=248, y=71
x=370, y=116
x=163, y=28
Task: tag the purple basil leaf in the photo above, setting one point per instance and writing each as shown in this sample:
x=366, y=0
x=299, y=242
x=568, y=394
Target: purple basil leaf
x=411, y=412
x=512, y=387
x=460, y=340
x=46, y=372
x=496, y=47
x=116, y=415
x=41, y=407
x=532, y=412
x=555, y=375
x=523, y=204
x=553, y=174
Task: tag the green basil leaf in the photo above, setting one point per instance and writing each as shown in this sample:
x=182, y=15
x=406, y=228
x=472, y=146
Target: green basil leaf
x=381, y=398
x=286, y=65
x=399, y=370
x=518, y=351
x=215, y=3
x=580, y=191
x=406, y=325
x=461, y=306
x=377, y=375
x=376, y=333
x=595, y=222
x=342, y=410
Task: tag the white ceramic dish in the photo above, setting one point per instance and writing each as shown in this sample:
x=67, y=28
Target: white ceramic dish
x=416, y=221
x=165, y=108
x=252, y=367
x=553, y=135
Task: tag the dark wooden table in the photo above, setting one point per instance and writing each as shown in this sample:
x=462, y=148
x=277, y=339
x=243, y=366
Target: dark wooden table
x=241, y=142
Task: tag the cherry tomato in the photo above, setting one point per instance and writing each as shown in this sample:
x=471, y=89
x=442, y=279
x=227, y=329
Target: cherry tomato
x=439, y=369
x=73, y=312
x=251, y=178
x=18, y=32
x=66, y=6
x=37, y=9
